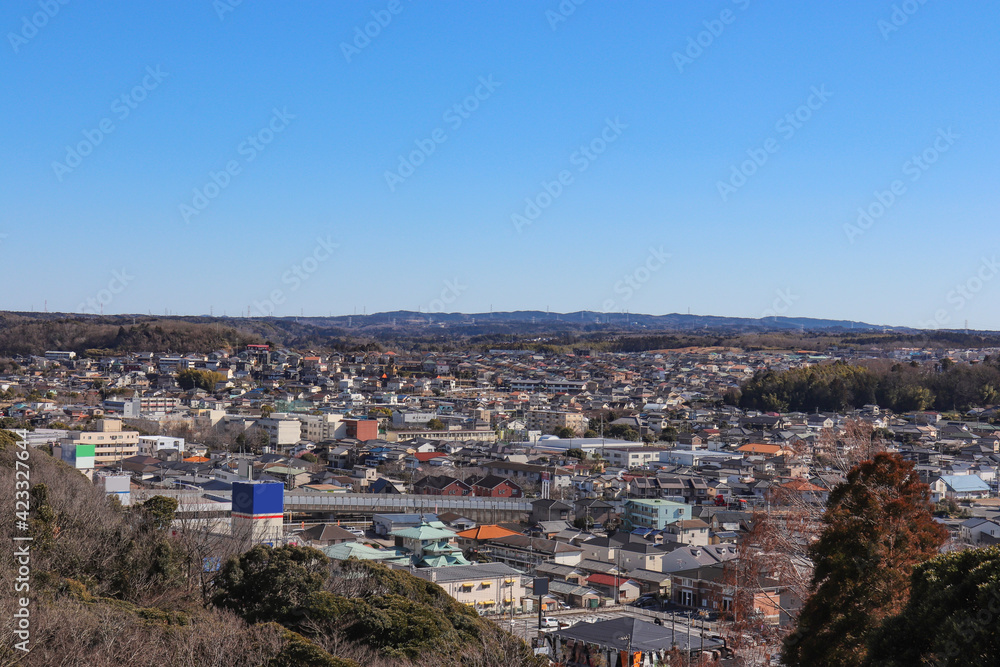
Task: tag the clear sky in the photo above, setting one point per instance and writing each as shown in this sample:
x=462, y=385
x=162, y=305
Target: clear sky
x=655, y=157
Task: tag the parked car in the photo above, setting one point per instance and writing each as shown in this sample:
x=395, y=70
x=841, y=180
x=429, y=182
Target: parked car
x=550, y=622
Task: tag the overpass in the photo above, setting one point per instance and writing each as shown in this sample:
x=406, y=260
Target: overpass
x=368, y=504
x=334, y=505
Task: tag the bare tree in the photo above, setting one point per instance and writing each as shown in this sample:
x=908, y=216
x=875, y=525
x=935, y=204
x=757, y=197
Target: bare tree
x=775, y=552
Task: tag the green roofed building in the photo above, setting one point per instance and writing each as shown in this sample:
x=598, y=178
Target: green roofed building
x=346, y=550
x=430, y=545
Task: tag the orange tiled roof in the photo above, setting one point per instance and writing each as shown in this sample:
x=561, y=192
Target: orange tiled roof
x=759, y=448
x=487, y=532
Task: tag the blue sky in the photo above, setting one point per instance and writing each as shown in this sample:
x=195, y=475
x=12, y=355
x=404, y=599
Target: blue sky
x=713, y=156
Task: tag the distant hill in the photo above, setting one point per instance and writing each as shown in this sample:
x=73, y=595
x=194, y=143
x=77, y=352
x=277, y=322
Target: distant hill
x=669, y=322
x=23, y=333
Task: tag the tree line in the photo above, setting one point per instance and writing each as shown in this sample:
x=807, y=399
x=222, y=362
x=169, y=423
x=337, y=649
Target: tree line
x=944, y=386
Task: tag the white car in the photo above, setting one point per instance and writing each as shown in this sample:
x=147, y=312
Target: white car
x=549, y=622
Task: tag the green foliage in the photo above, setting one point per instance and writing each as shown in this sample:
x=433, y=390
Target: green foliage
x=190, y=378
x=435, y=424
x=841, y=386
x=951, y=617
x=300, y=652
x=877, y=527
x=100, y=336
x=946, y=507
x=621, y=432
x=310, y=457
x=399, y=615
x=43, y=523
x=668, y=434
x=565, y=432
x=576, y=453
x=8, y=440
x=270, y=584
x=159, y=511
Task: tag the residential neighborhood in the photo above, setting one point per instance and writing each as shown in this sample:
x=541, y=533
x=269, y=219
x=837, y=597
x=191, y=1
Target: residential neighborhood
x=624, y=480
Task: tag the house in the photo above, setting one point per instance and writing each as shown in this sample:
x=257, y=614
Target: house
x=292, y=477
x=326, y=534
x=575, y=595
x=597, y=511
x=549, y=529
x=693, y=532
x=385, y=486
x=958, y=487
x=442, y=485
x=493, y=486
x=648, y=642
x=346, y=550
x=486, y=587
x=474, y=537
x=621, y=590
x=435, y=459
x=530, y=473
x=546, y=509
x=706, y=588
x=566, y=573
x=978, y=530
x=456, y=521
x=803, y=490
x=525, y=553
x=688, y=557
x=642, y=555
x=653, y=582
x=761, y=449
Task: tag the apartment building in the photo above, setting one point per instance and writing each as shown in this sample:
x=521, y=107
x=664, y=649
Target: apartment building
x=485, y=586
x=284, y=431
x=321, y=428
x=656, y=514
x=110, y=442
x=549, y=421
x=633, y=457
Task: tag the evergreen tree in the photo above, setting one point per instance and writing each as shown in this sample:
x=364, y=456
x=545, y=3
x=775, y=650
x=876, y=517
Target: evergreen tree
x=270, y=584
x=951, y=616
x=877, y=528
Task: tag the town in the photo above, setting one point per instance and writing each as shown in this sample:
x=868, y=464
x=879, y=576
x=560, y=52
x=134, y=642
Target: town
x=584, y=488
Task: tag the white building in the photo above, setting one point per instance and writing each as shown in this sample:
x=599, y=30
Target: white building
x=488, y=587
x=283, y=431
x=149, y=445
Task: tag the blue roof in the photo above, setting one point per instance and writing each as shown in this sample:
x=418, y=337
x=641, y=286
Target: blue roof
x=965, y=483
